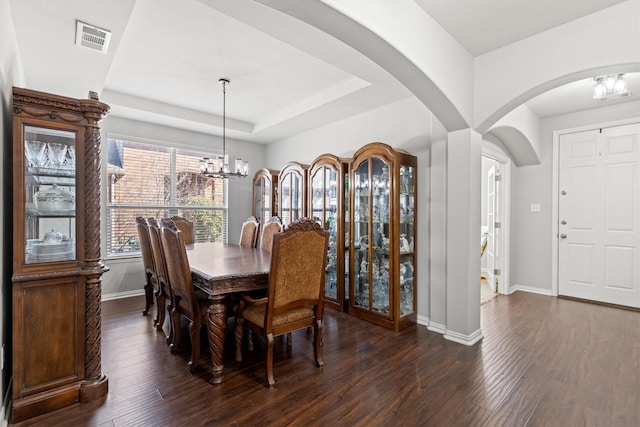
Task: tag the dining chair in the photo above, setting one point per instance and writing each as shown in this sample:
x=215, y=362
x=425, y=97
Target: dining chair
x=187, y=302
x=271, y=227
x=294, y=292
x=186, y=227
x=249, y=232
x=164, y=293
x=150, y=281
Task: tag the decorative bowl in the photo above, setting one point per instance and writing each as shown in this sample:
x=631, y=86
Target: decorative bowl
x=55, y=199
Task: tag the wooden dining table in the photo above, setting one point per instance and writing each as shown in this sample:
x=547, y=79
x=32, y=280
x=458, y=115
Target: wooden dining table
x=222, y=270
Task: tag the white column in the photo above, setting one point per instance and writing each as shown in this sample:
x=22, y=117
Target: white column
x=438, y=237
x=464, y=164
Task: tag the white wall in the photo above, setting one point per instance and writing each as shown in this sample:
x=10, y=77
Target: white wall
x=11, y=74
x=531, y=233
x=126, y=275
x=404, y=124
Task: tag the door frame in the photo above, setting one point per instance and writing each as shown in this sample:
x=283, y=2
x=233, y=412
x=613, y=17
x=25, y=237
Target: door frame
x=555, y=205
x=504, y=164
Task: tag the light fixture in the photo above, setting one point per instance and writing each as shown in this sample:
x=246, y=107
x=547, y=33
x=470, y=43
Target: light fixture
x=219, y=167
x=609, y=86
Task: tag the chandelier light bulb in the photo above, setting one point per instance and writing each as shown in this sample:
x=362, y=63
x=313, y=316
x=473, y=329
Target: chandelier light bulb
x=611, y=85
x=621, y=86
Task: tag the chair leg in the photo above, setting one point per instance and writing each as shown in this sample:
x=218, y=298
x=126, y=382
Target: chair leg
x=162, y=307
x=317, y=343
x=269, y=360
x=194, y=333
x=148, y=295
x=174, y=346
x=171, y=327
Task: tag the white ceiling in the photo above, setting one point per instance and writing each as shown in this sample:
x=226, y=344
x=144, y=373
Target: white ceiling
x=483, y=26
x=166, y=57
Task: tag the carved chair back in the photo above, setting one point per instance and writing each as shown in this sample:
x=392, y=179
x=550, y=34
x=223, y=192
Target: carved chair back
x=148, y=263
x=186, y=227
x=185, y=301
x=249, y=232
x=271, y=227
x=145, y=246
x=164, y=292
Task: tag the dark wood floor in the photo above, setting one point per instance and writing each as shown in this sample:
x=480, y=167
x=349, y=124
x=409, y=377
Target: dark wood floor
x=543, y=361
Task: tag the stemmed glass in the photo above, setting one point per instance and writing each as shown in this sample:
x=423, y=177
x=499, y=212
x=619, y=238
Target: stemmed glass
x=34, y=151
x=56, y=154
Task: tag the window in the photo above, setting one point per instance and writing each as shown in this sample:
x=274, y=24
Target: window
x=157, y=181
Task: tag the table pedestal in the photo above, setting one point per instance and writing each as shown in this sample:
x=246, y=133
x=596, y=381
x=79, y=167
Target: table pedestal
x=217, y=329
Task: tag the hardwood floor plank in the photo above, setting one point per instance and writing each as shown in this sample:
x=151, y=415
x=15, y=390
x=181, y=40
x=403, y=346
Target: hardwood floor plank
x=543, y=361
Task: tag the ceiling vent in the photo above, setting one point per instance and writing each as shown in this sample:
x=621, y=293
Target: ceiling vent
x=91, y=37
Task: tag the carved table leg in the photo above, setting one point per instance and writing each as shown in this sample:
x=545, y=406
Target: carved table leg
x=217, y=329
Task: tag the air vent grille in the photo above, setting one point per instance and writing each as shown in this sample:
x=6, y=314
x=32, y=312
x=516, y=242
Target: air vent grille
x=92, y=37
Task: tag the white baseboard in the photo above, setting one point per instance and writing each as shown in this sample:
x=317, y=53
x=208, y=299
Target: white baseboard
x=119, y=295
x=464, y=339
x=530, y=289
x=423, y=320
x=437, y=327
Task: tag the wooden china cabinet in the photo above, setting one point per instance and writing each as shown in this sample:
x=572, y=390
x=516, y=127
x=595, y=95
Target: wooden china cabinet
x=292, y=192
x=328, y=176
x=382, y=212
x=57, y=266
x=265, y=195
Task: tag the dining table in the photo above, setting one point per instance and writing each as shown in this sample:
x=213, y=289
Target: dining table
x=224, y=270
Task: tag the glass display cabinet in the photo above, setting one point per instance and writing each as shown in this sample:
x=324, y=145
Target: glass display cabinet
x=382, y=246
x=328, y=177
x=265, y=195
x=56, y=252
x=292, y=194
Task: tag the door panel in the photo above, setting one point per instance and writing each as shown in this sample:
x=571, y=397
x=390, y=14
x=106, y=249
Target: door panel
x=491, y=230
x=599, y=215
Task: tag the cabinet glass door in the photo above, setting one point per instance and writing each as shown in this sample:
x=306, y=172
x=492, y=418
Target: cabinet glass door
x=262, y=199
x=292, y=197
x=407, y=239
x=380, y=204
x=50, y=195
x=345, y=238
x=324, y=211
x=371, y=236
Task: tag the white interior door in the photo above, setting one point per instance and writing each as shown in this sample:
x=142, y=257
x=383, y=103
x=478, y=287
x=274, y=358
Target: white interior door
x=491, y=229
x=599, y=215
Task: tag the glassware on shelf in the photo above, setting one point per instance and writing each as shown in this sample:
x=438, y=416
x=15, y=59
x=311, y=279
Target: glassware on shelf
x=54, y=199
x=56, y=154
x=52, y=237
x=70, y=158
x=35, y=153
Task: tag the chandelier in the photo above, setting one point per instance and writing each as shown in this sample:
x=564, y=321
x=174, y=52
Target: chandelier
x=612, y=85
x=219, y=167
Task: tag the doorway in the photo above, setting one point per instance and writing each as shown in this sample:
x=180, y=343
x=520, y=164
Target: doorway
x=494, y=248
